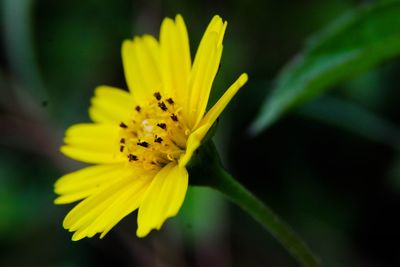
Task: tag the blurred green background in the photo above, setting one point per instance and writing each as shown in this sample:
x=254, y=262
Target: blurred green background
x=330, y=168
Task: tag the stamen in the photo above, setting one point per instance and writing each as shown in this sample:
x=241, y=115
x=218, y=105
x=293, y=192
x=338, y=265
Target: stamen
x=163, y=106
x=143, y=144
x=132, y=157
x=157, y=95
x=162, y=125
x=154, y=136
x=174, y=117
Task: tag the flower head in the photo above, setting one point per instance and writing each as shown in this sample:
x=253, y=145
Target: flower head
x=141, y=141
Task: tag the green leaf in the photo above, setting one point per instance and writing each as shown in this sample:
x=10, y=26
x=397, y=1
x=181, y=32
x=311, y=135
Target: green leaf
x=206, y=170
x=353, y=118
x=357, y=41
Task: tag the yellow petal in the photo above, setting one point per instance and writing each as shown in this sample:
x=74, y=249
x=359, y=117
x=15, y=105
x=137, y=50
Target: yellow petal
x=111, y=105
x=93, y=143
x=217, y=109
x=141, y=60
x=85, y=182
x=122, y=207
x=175, y=58
x=101, y=211
x=127, y=201
x=163, y=199
x=193, y=142
x=217, y=25
x=95, y=203
x=204, y=69
x=195, y=138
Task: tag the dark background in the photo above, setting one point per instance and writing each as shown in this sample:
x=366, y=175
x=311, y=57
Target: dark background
x=338, y=188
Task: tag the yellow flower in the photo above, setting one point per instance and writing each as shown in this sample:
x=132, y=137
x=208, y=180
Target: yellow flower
x=141, y=141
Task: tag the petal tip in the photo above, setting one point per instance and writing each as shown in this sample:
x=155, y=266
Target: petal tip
x=167, y=22
x=126, y=43
x=77, y=236
x=216, y=18
x=140, y=232
x=103, y=234
x=57, y=201
x=64, y=148
x=178, y=17
x=243, y=79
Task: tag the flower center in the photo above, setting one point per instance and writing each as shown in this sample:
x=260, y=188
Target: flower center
x=156, y=135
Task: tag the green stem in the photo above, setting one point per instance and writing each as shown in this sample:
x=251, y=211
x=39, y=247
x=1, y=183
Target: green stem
x=205, y=170
x=237, y=193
